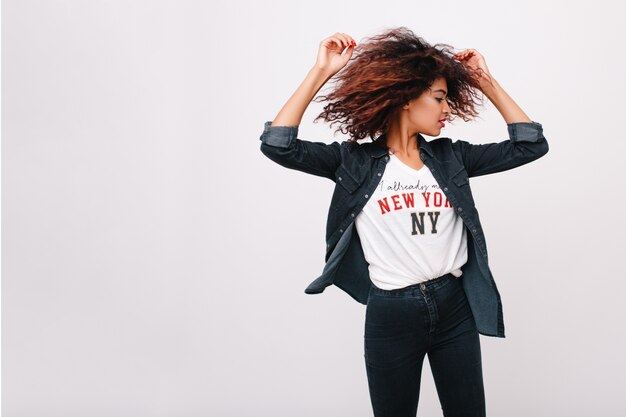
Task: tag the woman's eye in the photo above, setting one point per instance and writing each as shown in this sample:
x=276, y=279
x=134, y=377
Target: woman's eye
x=440, y=99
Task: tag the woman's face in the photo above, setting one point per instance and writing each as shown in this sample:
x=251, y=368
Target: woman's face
x=424, y=114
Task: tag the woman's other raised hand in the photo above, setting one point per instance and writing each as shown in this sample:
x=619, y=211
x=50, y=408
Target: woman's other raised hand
x=331, y=56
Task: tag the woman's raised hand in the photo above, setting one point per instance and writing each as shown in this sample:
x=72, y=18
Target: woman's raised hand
x=330, y=57
x=471, y=58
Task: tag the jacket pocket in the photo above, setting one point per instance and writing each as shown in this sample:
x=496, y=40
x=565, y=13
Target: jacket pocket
x=460, y=178
x=347, y=180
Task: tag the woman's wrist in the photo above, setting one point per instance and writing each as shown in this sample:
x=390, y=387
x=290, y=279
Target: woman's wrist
x=320, y=73
x=488, y=85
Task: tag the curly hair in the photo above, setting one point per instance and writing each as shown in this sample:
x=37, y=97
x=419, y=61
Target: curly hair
x=388, y=70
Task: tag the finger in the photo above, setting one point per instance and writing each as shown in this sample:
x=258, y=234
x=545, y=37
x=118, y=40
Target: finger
x=351, y=42
x=348, y=53
x=348, y=41
x=336, y=41
x=344, y=40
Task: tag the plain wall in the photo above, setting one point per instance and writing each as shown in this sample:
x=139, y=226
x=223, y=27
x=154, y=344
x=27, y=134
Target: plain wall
x=154, y=260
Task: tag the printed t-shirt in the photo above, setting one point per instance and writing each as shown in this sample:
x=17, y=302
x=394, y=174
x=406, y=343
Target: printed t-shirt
x=408, y=229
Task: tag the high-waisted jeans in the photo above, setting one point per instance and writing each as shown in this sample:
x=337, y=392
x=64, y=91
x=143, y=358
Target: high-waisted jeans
x=403, y=325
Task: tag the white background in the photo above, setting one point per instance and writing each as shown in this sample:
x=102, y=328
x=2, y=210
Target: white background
x=154, y=260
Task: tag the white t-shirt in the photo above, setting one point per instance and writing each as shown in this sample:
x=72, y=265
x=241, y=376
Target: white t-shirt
x=408, y=229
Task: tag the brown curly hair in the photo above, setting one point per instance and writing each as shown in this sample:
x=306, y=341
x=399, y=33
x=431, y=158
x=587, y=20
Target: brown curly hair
x=388, y=70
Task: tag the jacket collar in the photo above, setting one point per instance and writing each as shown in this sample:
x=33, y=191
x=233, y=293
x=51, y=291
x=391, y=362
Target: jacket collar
x=378, y=147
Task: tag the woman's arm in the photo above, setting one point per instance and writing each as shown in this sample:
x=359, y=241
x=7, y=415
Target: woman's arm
x=330, y=59
x=293, y=110
x=279, y=141
x=526, y=142
x=508, y=108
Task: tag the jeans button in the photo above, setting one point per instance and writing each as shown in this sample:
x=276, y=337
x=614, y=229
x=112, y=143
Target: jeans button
x=423, y=286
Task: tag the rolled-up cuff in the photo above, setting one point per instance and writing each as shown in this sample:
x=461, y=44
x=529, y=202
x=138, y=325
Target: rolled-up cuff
x=279, y=136
x=525, y=131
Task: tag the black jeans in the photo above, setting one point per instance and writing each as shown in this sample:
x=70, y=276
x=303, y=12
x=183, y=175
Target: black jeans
x=403, y=325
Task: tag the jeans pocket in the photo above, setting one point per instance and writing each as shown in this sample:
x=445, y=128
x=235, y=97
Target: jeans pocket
x=390, y=317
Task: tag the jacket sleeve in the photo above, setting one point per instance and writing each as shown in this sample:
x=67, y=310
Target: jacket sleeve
x=526, y=143
x=281, y=145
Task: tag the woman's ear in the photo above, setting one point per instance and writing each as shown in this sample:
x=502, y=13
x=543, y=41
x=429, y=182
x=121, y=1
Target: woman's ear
x=407, y=105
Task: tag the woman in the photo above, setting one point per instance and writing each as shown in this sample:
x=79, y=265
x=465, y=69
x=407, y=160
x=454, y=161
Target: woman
x=403, y=234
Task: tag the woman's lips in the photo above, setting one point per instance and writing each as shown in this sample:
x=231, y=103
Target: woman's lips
x=442, y=123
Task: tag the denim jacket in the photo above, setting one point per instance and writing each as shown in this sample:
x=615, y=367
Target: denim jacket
x=357, y=169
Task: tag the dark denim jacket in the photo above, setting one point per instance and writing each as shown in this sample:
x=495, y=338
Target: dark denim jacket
x=357, y=169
